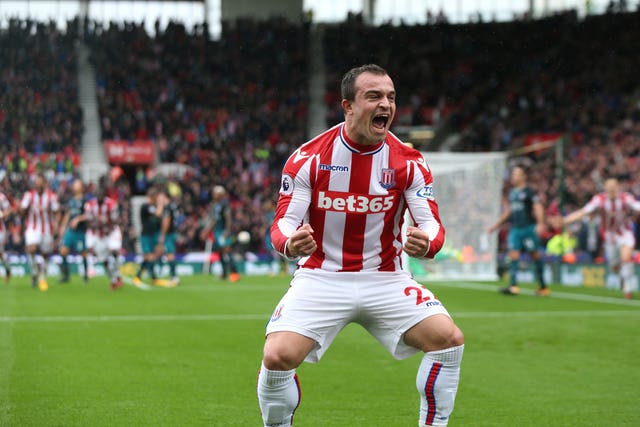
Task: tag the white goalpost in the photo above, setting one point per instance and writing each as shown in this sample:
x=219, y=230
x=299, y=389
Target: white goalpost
x=468, y=189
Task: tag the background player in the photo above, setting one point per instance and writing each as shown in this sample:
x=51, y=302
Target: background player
x=41, y=208
x=104, y=237
x=5, y=212
x=167, y=238
x=151, y=213
x=73, y=230
x=616, y=230
x=526, y=215
x=220, y=223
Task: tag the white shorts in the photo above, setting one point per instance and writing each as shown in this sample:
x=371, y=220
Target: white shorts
x=319, y=304
x=103, y=246
x=613, y=243
x=44, y=241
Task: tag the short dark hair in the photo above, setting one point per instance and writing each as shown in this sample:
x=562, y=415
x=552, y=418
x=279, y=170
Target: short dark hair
x=348, y=86
x=522, y=167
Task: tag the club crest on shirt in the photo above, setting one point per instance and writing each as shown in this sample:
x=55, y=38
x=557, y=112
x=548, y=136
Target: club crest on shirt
x=286, y=185
x=388, y=179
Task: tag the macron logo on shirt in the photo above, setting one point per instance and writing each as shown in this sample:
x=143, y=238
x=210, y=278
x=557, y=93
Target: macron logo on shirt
x=333, y=168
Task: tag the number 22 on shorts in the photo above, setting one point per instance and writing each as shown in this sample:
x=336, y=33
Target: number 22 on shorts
x=418, y=291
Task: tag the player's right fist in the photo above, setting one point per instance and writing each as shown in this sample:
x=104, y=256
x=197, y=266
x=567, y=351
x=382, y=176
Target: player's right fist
x=301, y=242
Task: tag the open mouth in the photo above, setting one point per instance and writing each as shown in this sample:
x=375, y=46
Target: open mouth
x=380, y=121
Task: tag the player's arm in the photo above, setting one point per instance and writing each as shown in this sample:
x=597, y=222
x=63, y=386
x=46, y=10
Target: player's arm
x=89, y=219
x=160, y=205
x=539, y=216
x=587, y=209
x=56, y=215
x=114, y=215
x=227, y=221
x=427, y=238
x=632, y=203
x=574, y=216
x=164, y=225
x=64, y=222
x=289, y=236
x=6, y=209
x=506, y=214
x=23, y=208
x=77, y=220
x=210, y=223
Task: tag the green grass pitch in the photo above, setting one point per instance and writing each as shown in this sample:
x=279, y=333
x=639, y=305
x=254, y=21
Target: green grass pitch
x=81, y=355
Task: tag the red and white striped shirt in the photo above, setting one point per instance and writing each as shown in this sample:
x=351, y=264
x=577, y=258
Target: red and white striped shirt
x=102, y=218
x=40, y=209
x=354, y=197
x=4, y=205
x=613, y=212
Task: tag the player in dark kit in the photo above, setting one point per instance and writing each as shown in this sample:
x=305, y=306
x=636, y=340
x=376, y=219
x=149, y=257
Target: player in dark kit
x=526, y=215
x=73, y=230
x=151, y=219
x=220, y=223
x=168, y=236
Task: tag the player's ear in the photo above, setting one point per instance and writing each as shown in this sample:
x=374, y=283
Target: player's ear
x=347, y=106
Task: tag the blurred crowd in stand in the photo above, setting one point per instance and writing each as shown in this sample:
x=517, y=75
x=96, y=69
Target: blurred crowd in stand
x=233, y=109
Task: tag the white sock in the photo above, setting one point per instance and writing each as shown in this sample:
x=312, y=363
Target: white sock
x=116, y=266
x=43, y=269
x=278, y=395
x=437, y=383
x=112, y=268
x=627, y=274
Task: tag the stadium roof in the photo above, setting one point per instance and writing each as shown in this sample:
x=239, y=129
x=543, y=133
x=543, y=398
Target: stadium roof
x=194, y=11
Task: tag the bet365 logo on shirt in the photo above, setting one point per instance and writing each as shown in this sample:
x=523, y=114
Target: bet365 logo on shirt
x=353, y=203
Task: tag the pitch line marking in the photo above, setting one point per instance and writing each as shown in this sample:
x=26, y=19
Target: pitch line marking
x=554, y=294
x=134, y=318
x=264, y=317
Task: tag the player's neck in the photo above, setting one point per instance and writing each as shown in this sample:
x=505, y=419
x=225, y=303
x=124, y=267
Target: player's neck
x=360, y=145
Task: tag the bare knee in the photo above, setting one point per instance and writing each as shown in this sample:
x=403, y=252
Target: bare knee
x=284, y=351
x=456, y=338
x=279, y=360
x=434, y=333
x=447, y=337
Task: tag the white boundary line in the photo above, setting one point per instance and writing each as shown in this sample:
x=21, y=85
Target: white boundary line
x=141, y=286
x=554, y=294
x=265, y=317
x=135, y=318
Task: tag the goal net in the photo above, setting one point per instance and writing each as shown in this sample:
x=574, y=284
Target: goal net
x=468, y=189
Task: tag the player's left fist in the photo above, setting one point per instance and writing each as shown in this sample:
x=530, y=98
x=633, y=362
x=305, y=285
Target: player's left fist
x=417, y=242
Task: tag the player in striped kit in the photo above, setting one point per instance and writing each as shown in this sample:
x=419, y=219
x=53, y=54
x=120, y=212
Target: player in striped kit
x=41, y=208
x=104, y=237
x=5, y=211
x=616, y=230
x=342, y=201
